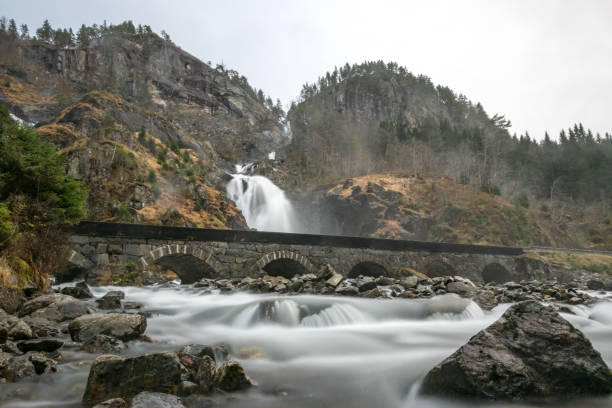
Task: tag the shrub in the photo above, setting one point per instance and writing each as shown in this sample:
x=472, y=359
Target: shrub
x=522, y=200
x=490, y=189
x=152, y=177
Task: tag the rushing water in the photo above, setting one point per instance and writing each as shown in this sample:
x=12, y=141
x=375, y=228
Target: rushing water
x=264, y=206
x=313, y=351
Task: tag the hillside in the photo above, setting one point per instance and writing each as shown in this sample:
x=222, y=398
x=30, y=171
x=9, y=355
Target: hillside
x=377, y=117
x=432, y=208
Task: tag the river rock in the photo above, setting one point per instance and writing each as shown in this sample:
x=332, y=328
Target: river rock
x=460, y=288
x=42, y=327
x=156, y=400
x=230, y=376
x=409, y=282
x=112, y=376
x=102, y=343
x=112, y=403
x=27, y=365
x=54, y=306
x=80, y=291
x=122, y=326
x=41, y=344
x=529, y=352
x=334, y=280
x=111, y=300
x=366, y=283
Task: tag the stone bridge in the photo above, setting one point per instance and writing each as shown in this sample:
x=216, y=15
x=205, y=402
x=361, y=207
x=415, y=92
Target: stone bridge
x=104, y=251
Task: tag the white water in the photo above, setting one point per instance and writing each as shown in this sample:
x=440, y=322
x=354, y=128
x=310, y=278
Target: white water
x=315, y=351
x=264, y=206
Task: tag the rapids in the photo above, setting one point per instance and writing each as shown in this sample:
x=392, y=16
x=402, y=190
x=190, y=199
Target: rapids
x=312, y=351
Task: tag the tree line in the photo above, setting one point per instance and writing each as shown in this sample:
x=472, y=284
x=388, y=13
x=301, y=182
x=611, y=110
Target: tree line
x=421, y=127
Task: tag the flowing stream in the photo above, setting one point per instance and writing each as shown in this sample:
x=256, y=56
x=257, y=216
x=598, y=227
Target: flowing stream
x=312, y=351
x=264, y=206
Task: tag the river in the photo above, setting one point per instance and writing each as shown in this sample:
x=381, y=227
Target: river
x=310, y=351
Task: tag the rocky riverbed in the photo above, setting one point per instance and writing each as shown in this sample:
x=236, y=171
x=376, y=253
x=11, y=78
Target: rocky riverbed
x=266, y=341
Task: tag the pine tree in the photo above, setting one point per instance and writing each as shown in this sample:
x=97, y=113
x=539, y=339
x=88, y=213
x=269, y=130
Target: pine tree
x=2, y=23
x=12, y=28
x=25, y=32
x=82, y=38
x=45, y=33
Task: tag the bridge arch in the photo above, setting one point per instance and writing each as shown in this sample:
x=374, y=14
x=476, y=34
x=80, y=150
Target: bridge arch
x=285, y=263
x=496, y=272
x=368, y=268
x=189, y=263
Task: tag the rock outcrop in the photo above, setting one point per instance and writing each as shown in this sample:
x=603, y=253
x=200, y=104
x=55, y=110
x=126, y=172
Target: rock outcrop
x=529, y=353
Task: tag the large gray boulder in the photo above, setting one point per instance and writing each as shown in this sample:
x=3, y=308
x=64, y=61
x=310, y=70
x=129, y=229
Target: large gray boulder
x=529, y=353
x=55, y=307
x=120, y=325
x=112, y=376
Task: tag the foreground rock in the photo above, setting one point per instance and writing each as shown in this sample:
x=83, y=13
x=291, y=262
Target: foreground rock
x=529, y=353
x=55, y=307
x=115, y=377
x=112, y=300
x=80, y=291
x=125, y=327
x=156, y=400
x=192, y=370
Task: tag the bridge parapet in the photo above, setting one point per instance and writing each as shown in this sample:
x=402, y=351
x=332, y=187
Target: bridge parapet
x=194, y=253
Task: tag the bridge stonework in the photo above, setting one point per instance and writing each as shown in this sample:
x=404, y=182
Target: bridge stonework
x=105, y=250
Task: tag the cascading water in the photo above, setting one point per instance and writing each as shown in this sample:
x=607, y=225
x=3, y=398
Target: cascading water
x=264, y=206
x=306, y=350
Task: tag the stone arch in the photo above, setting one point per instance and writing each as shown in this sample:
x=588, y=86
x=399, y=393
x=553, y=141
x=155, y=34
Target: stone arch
x=368, y=268
x=438, y=268
x=496, y=272
x=189, y=263
x=285, y=263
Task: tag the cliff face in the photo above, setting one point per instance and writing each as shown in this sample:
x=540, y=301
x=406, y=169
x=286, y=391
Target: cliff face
x=149, y=128
x=206, y=103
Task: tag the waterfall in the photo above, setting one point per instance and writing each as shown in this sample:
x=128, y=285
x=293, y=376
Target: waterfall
x=264, y=206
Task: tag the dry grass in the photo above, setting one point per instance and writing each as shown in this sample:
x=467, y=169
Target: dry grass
x=598, y=263
x=22, y=93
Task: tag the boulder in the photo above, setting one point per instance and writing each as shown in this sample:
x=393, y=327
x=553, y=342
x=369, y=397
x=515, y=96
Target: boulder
x=409, y=282
x=112, y=403
x=529, y=353
x=230, y=376
x=79, y=291
x=16, y=328
x=55, y=306
x=41, y=344
x=156, y=400
x=334, y=280
x=112, y=376
x=595, y=284
x=16, y=368
x=461, y=288
x=120, y=325
x=112, y=300
x=42, y=327
x=102, y=343
x=366, y=283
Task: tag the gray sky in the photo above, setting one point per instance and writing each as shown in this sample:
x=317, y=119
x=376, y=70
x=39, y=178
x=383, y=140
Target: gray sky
x=545, y=64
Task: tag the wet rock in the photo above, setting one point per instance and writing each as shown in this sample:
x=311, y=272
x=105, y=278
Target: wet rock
x=326, y=272
x=216, y=352
x=19, y=367
x=346, y=289
x=42, y=327
x=111, y=376
x=365, y=284
x=372, y=293
x=595, y=284
x=530, y=352
x=122, y=326
x=111, y=300
x=205, y=374
x=55, y=306
x=485, y=299
x=384, y=281
x=112, y=403
x=79, y=291
x=41, y=344
x=102, y=343
x=461, y=288
x=156, y=400
x=42, y=364
x=20, y=331
x=334, y=280
x=230, y=376
x=409, y=282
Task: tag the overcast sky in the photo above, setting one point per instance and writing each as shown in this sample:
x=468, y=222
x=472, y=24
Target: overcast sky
x=545, y=64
